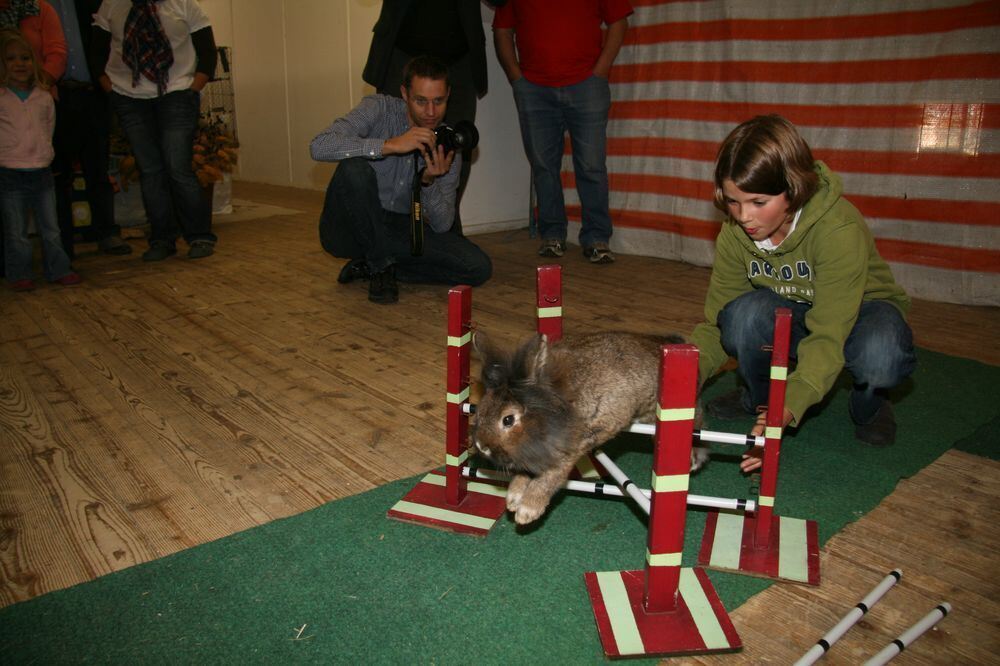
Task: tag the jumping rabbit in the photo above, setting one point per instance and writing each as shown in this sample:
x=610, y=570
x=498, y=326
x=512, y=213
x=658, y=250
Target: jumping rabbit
x=547, y=404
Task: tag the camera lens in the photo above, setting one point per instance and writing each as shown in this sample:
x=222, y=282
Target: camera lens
x=463, y=136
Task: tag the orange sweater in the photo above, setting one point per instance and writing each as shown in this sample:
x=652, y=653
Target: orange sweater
x=45, y=34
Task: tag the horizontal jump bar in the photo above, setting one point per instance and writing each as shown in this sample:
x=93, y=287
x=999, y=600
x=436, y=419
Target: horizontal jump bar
x=735, y=439
x=611, y=490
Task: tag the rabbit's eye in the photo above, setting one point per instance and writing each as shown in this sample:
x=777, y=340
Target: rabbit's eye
x=508, y=421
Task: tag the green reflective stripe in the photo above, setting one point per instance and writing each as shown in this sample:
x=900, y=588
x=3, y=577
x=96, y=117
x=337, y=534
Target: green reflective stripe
x=764, y=500
x=793, y=557
x=456, y=460
x=670, y=483
x=728, y=541
x=455, y=517
x=772, y=433
x=619, y=611
x=675, y=414
x=457, y=398
x=663, y=559
x=545, y=313
x=779, y=373
x=459, y=342
x=586, y=469
x=473, y=486
x=701, y=610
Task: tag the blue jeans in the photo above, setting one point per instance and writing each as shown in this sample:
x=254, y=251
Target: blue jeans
x=546, y=114
x=878, y=352
x=22, y=192
x=161, y=131
x=353, y=225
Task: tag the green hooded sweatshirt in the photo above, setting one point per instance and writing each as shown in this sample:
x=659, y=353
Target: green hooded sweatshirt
x=828, y=261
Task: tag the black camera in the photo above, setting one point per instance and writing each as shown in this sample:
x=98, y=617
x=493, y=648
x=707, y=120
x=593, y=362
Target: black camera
x=463, y=136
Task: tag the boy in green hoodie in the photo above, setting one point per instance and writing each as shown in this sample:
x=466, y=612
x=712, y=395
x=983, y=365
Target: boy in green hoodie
x=793, y=241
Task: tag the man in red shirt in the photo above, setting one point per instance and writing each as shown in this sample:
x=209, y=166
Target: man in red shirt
x=557, y=59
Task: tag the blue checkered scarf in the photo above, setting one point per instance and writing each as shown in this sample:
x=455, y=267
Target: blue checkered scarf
x=145, y=47
x=17, y=10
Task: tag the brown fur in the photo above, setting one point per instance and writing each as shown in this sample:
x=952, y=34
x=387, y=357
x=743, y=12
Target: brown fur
x=546, y=405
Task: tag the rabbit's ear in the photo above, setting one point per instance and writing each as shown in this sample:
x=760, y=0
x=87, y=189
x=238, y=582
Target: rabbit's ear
x=483, y=346
x=536, y=355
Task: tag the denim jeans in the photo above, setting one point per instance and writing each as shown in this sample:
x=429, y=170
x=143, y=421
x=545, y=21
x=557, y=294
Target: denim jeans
x=353, y=225
x=83, y=131
x=546, y=113
x=161, y=131
x=21, y=193
x=878, y=352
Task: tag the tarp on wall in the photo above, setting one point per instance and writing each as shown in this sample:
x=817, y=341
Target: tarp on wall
x=900, y=97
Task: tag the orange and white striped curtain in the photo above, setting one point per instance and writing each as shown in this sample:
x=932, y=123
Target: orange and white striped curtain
x=900, y=97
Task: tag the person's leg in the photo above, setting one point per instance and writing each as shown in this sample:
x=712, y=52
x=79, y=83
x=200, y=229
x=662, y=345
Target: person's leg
x=14, y=209
x=138, y=120
x=177, y=119
x=352, y=224
x=879, y=355
x=94, y=152
x=747, y=326
x=56, y=261
x=447, y=258
x=66, y=142
x=586, y=111
x=542, y=128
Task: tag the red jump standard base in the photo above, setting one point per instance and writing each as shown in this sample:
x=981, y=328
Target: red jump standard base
x=476, y=514
x=697, y=625
x=791, y=553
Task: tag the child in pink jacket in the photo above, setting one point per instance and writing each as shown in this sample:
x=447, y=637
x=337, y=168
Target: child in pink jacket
x=27, y=119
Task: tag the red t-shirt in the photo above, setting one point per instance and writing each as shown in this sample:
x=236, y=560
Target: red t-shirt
x=558, y=41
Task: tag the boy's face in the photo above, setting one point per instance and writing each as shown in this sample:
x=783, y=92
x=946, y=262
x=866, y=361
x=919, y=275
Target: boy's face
x=18, y=64
x=761, y=216
x=426, y=101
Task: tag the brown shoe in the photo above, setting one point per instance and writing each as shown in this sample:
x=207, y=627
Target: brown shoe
x=599, y=253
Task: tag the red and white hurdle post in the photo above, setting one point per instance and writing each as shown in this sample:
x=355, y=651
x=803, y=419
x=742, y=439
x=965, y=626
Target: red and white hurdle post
x=665, y=609
x=548, y=299
x=450, y=501
x=548, y=292
x=766, y=545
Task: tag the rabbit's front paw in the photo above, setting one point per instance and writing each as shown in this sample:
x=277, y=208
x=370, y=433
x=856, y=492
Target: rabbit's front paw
x=528, y=511
x=515, y=491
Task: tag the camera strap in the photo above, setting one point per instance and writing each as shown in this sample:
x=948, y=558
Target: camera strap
x=416, y=214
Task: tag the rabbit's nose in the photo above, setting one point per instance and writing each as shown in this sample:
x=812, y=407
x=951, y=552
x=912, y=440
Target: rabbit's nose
x=482, y=449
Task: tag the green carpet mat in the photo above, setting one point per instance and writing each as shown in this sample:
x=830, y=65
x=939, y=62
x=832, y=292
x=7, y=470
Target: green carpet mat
x=372, y=590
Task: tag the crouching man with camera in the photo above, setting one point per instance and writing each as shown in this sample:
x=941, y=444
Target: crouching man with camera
x=397, y=177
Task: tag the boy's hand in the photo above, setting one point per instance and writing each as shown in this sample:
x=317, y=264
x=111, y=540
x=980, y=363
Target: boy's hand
x=753, y=459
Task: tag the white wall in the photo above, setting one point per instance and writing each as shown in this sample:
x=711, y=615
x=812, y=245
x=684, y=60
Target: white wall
x=297, y=66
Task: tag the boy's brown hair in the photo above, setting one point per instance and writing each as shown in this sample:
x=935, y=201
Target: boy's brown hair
x=766, y=155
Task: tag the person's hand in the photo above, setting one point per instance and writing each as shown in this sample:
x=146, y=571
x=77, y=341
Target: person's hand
x=753, y=458
x=105, y=82
x=415, y=138
x=438, y=164
x=199, y=81
x=602, y=72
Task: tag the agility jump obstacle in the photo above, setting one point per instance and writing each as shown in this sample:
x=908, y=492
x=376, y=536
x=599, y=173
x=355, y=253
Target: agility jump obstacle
x=766, y=545
x=454, y=503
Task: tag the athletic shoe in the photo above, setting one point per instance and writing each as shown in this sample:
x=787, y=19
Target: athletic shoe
x=158, y=251
x=599, y=253
x=552, y=248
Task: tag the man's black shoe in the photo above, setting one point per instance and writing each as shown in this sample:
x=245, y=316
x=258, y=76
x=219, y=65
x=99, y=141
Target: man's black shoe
x=881, y=430
x=383, y=288
x=730, y=406
x=355, y=269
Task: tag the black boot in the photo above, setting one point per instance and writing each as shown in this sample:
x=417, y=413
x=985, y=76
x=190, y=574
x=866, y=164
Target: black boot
x=881, y=430
x=355, y=269
x=383, y=288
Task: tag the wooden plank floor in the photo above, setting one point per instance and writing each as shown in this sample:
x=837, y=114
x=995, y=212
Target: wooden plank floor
x=157, y=407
